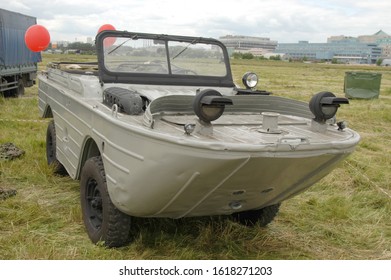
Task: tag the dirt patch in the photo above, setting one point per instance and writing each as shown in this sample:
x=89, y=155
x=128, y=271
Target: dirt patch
x=6, y=193
x=9, y=151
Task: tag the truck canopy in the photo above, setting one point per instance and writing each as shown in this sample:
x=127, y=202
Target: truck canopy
x=13, y=50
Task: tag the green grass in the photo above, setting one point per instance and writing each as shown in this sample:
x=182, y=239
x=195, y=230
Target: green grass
x=344, y=216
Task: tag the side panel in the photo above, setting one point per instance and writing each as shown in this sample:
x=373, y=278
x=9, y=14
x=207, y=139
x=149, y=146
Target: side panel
x=72, y=129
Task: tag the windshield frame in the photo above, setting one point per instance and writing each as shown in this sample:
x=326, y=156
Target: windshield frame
x=107, y=75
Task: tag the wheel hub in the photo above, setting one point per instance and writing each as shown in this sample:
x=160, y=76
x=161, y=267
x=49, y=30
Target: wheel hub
x=94, y=202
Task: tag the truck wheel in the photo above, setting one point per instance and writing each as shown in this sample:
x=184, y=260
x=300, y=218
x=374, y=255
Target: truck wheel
x=103, y=221
x=264, y=216
x=51, y=156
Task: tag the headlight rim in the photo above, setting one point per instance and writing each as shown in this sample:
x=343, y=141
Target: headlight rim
x=246, y=80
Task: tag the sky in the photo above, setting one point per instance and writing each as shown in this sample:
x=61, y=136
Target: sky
x=285, y=21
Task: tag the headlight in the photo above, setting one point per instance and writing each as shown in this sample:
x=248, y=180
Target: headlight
x=324, y=105
x=250, y=80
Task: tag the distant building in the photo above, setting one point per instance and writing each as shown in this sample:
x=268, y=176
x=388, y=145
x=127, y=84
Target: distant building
x=381, y=38
x=364, y=49
x=341, y=38
x=373, y=39
x=365, y=39
x=63, y=44
x=386, y=50
x=255, y=45
x=385, y=44
x=346, y=51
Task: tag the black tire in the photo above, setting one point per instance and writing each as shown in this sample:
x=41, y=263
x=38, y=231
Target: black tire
x=103, y=221
x=51, y=153
x=262, y=216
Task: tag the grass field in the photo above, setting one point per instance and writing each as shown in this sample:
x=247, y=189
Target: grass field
x=344, y=216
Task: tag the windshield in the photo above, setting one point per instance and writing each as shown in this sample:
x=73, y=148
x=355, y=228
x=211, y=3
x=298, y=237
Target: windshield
x=152, y=56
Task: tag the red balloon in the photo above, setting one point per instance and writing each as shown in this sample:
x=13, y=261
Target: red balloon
x=106, y=27
x=37, y=38
x=108, y=41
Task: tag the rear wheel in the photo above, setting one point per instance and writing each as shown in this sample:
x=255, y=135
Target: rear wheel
x=262, y=216
x=51, y=150
x=103, y=221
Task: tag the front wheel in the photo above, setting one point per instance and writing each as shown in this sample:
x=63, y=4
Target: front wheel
x=263, y=216
x=103, y=221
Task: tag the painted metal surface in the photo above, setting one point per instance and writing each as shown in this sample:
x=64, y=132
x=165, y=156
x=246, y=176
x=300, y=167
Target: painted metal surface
x=154, y=168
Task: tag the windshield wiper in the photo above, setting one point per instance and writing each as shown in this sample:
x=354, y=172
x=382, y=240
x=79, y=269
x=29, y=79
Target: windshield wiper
x=124, y=42
x=185, y=48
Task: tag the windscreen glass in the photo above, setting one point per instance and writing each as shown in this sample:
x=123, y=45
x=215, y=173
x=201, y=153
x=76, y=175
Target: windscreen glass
x=139, y=55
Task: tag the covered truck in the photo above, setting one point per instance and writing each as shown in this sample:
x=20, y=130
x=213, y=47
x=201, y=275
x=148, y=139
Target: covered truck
x=18, y=65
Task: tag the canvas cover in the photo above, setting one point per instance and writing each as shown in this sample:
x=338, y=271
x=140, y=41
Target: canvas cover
x=13, y=50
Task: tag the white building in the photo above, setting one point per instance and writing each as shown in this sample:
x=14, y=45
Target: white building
x=248, y=44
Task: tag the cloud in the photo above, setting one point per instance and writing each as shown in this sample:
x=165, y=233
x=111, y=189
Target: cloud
x=16, y=6
x=282, y=20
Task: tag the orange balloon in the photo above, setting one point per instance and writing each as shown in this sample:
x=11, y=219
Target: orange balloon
x=108, y=41
x=37, y=38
